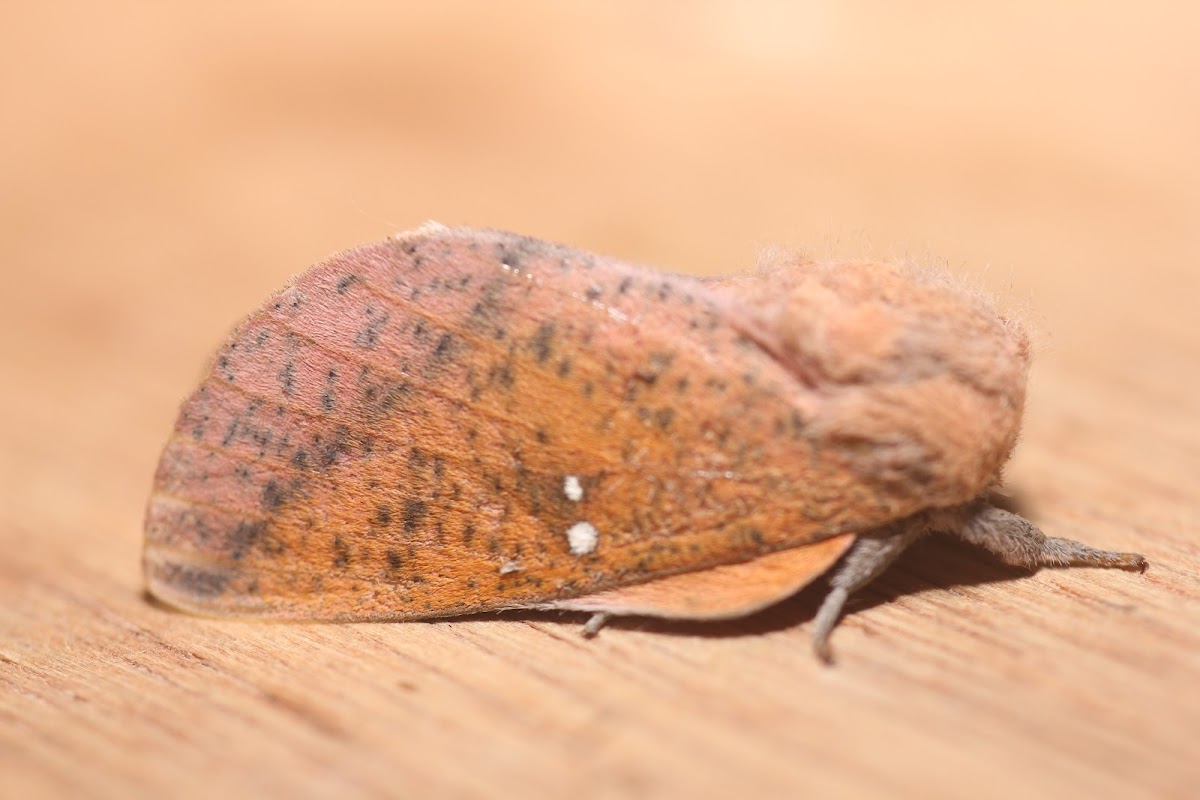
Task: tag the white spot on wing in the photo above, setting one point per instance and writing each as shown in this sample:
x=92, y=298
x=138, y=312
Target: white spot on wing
x=582, y=538
x=572, y=488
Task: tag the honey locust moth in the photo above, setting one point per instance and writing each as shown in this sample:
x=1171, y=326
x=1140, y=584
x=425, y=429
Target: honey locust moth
x=458, y=420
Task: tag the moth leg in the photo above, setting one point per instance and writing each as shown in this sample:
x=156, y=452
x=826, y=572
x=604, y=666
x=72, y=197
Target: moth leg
x=595, y=623
x=1017, y=541
x=1014, y=539
x=872, y=553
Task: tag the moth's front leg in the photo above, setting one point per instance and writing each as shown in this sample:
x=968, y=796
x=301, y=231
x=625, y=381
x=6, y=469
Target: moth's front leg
x=1012, y=538
x=1017, y=541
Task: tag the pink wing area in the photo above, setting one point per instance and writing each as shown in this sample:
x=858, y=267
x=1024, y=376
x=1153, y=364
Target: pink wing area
x=393, y=435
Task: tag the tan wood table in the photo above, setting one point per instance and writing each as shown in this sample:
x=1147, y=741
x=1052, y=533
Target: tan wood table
x=163, y=168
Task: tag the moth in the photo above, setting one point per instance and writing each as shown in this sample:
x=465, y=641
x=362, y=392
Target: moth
x=457, y=420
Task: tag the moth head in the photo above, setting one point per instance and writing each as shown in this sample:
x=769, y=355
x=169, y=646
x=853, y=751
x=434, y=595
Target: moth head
x=919, y=381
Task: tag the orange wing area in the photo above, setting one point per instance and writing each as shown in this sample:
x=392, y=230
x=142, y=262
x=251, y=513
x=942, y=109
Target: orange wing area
x=418, y=428
x=725, y=592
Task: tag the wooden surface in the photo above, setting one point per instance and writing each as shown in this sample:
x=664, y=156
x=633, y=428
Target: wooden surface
x=162, y=168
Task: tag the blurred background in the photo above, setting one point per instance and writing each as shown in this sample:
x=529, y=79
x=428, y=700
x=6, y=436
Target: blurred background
x=164, y=166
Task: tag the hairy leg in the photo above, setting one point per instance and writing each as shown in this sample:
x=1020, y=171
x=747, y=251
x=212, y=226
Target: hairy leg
x=872, y=553
x=1014, y=539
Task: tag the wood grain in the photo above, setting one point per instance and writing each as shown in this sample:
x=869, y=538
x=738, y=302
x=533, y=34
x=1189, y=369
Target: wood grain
x=163, y=168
